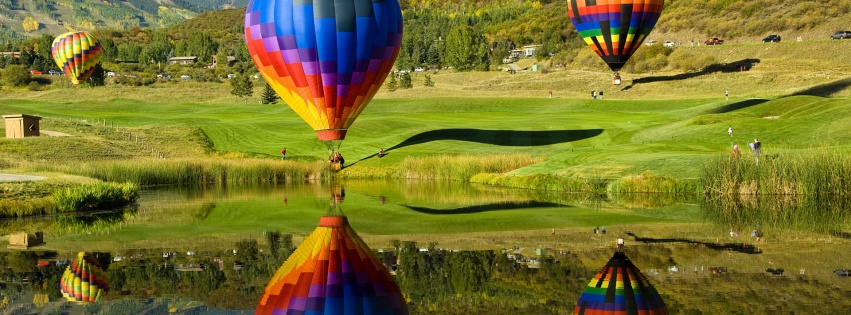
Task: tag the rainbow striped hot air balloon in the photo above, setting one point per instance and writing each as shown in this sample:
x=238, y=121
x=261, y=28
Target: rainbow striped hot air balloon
x=77, y=54
x=325, y=58
x=614, y=29
x=620, y=288
x=84, y=280
x=332, y=272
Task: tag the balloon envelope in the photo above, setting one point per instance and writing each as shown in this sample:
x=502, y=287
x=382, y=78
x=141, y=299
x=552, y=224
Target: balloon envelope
x=620, y=288
x=332, y=272
x=614, y=29
x=84, y=280
x=325, y=58
x=77, y=54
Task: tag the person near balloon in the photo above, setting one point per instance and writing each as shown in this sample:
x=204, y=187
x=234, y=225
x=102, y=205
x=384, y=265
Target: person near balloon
x=381, y=153
x=284, y=154
x=601, y=94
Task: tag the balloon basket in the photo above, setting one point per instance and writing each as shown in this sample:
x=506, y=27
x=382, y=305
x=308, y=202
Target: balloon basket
x=616, y=81
x=335, y=166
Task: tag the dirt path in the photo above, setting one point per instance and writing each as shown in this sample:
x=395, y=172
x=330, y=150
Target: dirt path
x=18, y=178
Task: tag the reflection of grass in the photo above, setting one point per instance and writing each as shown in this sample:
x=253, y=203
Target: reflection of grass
x=780, y=213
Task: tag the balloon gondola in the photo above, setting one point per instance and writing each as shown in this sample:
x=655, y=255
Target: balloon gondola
x=77, y=54
x=325, y=58
x=614, y=29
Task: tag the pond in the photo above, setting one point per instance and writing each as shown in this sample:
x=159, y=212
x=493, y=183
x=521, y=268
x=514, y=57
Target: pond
x=466, y=249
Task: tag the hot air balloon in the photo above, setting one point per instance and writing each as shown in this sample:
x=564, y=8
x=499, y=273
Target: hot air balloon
x=332, y=272
x=77, y=54
x=620, y=288
x=84, y=280
x=614, y=29
x=325, y=58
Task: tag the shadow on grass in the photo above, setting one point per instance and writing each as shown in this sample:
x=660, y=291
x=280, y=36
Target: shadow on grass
x=486, y=208
x=511, y=138
x=737, y=106
x=825, y=90
x=736, y=247
x=737, y=66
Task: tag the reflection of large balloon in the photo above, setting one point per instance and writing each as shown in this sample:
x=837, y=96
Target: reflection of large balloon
x=77, y=54
x=332, y=272
x=614, y=29
x=84, y=280
x=620, y=288
x=325, y=58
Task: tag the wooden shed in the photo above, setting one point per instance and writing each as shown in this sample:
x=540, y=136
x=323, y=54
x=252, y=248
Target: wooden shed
x=20, y=125
x=25, y=240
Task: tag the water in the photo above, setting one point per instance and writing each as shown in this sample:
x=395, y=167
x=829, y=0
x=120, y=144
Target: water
x=213, y=250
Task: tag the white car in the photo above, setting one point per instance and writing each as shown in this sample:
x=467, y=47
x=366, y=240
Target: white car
x=668, y=43
x=650, y=42
x=419, y=69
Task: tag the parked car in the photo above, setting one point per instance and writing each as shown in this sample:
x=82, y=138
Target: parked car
x=668, y=43
x=771, y=39
x=231, y=76
x=419, y=69
x=35, y=72
x=110, y=74
x=164, y=76
x=713, y=41
x=650, y=42
x=54, y=72
x=841, y=35
x=186, y=76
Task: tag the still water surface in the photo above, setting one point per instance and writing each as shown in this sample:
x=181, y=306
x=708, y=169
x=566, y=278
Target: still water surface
x=213, y=250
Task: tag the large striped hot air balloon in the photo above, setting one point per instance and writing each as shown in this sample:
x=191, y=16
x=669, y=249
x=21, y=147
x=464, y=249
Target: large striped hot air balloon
x=332, y=272
x=614, y=29
x=84, y=280
x=620, y=288
x=325, y=58
x=77, y=54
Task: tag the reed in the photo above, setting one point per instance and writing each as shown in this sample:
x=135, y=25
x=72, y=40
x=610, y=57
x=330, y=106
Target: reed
x=813, y=172
x=100, y=195
x=462, y=167
x=195, y=171
x=10, y=208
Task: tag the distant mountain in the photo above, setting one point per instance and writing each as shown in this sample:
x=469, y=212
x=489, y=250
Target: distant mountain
x=31, y=18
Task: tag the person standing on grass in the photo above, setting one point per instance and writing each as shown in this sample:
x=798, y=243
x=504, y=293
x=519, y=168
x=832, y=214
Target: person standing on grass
x=551, y=93
x=601, y=94
x=594, y=94
x=284, y=154
x=727, y=94
x=757, y=150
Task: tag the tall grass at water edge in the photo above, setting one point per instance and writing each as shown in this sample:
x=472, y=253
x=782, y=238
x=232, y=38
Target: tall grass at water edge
x=95, y=196
x=814, y=172
x=194, y=172
x=462, y=167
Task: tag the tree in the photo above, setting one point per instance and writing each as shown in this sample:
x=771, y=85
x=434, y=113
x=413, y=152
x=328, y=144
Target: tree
x=241, y=86
x=159, y=50
x=428, y=82
x=466, y=48
x=392, y=85
x=30, y=24
x=129, y=51
x=108, y=52
x=222, y=64
x=16, y=75
x=268, y=96
x=202, y=46
x=97, y=78
x=405, y=81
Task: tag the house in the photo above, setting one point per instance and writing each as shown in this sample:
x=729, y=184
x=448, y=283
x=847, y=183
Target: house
x=529, y=50
x=7, y=54
x=183, y=60
x=231, y=61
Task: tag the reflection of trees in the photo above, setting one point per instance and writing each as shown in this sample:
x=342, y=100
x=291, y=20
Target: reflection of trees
x=779, y=212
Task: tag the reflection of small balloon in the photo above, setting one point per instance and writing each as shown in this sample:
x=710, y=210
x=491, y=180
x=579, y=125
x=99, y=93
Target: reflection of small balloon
x=285, y=200
x=77, y=54
x=84, y=280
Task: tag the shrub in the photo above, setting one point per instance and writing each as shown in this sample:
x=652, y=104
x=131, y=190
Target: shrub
x=101, y=195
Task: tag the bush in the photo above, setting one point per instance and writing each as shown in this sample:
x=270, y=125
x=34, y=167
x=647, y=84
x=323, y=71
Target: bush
x=101, y=195
x=16, y=75
x=405, y=81
x=428, y=82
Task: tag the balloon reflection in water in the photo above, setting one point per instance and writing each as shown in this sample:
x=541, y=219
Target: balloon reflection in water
x=332, y=272
x=84, y=280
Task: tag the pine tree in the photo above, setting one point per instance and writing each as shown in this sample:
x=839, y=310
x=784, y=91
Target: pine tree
x=392, y=85
x=241, y=86
x=268, y=96
x=405, y=81
x=428, y=82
